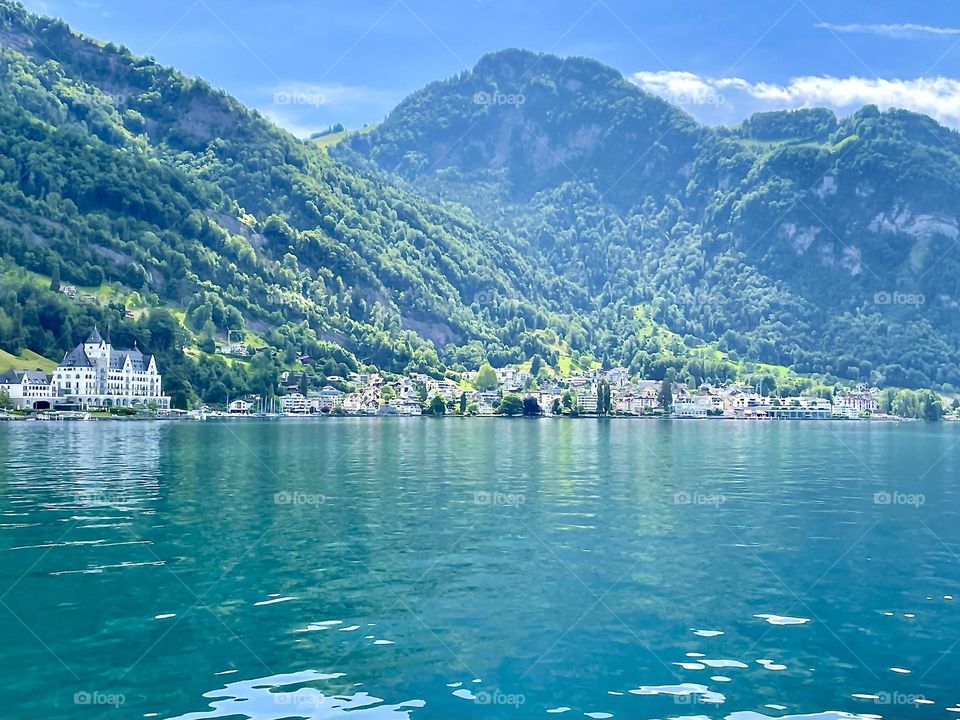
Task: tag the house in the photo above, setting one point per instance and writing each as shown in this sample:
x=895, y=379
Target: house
x=329, y=399
x=96, y=374
x=352, y=403
x=738, y=403
x=233, y=348
x=69, y=290
x=291, y=381
x=507, y=376
x=546, y=399
x=628, y=404
x=587, y=401
x=802, y=408
x=411, y=409
x=863, y=400
x=690, y=408
x=447, y=389
x=402, y=407
x=618, y=377
x=846, y=413
x=488, y=397
x=28, y=389
x=294, y=404
x=239, y=407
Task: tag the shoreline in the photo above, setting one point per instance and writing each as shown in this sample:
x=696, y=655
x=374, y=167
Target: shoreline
x=330, y=416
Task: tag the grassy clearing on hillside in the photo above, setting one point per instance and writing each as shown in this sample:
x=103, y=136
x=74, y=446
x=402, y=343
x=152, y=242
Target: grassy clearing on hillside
x=26, y=360
x=328, y=141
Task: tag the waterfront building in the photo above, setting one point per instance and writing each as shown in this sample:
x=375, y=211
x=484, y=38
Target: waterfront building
x=328, y=399
x=587, y=401
x=294, y=404
x=27, y=389
x=239, y=407
x=690, y=408
x=95, y=374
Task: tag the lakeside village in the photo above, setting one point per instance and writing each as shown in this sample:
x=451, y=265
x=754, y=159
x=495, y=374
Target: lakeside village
x=96, y=379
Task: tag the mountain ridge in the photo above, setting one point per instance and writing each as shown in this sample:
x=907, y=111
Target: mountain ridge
x=174, y=203
x=824, y=217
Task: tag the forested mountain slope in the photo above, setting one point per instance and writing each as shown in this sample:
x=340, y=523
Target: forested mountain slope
x=116, y=172
x=534, y=205
x=826, y=244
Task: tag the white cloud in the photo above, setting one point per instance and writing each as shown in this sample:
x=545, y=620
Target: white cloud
x=902, y=31
x=730, y=99
x=291, y=124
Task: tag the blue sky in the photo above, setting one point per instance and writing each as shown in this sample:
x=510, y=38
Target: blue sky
x=311, y=63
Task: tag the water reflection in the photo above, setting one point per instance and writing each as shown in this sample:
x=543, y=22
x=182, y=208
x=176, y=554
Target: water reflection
x=293, y=695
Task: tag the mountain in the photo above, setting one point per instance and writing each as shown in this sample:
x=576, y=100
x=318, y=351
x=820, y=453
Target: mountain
x=165, y=198
x=532, y=206
x=826, y=244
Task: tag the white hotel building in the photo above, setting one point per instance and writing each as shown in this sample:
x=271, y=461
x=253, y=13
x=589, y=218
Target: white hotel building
x=95, y=374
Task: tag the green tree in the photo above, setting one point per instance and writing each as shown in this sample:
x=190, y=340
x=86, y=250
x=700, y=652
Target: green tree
x=55, y=278
x=557, y=407
x=463, y=403
x=165, y=331
x=665, y=395
x=217, y=394
x=5, y=402
x=536, y=363
x=436, y=406
x=604, y=402
x=932, y=407
x=531, y=406
x=486, y=378
x=511, y=405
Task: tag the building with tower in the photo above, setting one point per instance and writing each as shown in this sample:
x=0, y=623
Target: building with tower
x=95, y=374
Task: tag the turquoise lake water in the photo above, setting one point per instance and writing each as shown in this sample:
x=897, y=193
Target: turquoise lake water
x=486, y=568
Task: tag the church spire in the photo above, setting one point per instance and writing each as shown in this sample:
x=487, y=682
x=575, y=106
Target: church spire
x=94, y=338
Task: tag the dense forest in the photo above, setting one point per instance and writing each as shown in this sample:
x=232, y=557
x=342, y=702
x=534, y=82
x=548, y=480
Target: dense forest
x=183, y=216
x=120, y=174
x=827, y=245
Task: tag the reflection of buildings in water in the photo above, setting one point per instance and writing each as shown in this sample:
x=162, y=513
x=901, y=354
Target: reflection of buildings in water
x=85, y=463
